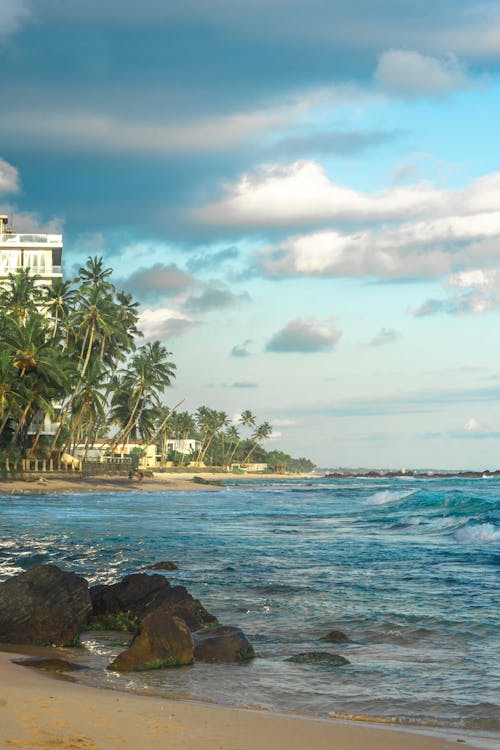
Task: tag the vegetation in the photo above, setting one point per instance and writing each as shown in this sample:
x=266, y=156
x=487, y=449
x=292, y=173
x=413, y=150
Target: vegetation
x=69, y=355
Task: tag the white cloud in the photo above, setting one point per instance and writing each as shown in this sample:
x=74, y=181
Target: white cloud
x=9, y=178
x=13, y=15
x=301, y=193
x=410, y=73
x=163, y=323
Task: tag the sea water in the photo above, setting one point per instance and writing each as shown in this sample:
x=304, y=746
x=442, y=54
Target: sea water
x=406, y=567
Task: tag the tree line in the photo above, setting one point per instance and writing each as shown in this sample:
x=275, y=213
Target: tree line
x=69, y=352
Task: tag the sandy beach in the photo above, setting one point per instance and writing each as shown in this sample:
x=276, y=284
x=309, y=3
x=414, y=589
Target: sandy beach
x=39, y=711
x=47, y=484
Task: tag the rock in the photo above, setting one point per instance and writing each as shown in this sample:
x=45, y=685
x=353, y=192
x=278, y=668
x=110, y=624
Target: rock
x=336, y=636
x=162, y=641
x=321, y=658
x=44, y=606
x=50, y=664
x=166, y=565
x=214, y=482
x=141, y=593
x=223, y=643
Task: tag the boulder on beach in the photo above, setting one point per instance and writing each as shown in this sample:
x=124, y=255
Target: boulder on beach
x=320, y=658
x=162, y=641
x=165, y=565
x=44, y=606
x=225, y=643
x=335, y=636
x=140, y=593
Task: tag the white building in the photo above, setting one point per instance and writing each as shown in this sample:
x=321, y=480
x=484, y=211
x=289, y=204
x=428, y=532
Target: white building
x=186, y=446
x=40, y=253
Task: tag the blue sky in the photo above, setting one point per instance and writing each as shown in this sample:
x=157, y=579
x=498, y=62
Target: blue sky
x=304, y=196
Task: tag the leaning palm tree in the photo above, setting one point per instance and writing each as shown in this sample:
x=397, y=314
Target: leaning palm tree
x=140, y=388
x=262, y=432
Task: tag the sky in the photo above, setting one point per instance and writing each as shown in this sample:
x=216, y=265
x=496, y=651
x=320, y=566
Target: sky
x=303, y=195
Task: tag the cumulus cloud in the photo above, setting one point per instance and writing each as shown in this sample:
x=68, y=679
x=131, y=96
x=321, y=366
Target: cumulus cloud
x=215, y=297
x=409, y=73
x=471, y=292
x=385, y=336
x=305, y=335
x=342, y=142
x=159, y=280
x=163, y=323
x=301, y=193
x=241, y=350
x=9, y=177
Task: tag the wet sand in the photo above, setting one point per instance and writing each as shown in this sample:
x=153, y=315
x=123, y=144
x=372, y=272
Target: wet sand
x=161, y=482
x=38, y=711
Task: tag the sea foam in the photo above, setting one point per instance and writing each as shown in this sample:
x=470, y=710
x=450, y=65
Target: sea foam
x=389, y=496
x=483, y=532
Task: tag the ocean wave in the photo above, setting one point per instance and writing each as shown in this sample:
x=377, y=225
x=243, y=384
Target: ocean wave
x=483, y=532
x=389, y=496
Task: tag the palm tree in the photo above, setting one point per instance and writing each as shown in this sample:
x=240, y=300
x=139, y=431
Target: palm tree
x=22, y=294
x=141, y=386
x=263, y=432
x=59, y=301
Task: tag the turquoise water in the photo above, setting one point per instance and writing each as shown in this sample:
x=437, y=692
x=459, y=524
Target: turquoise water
x=407, y=567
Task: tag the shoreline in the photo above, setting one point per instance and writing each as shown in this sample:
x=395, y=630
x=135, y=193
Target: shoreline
x=160, y=482
x=40, y=710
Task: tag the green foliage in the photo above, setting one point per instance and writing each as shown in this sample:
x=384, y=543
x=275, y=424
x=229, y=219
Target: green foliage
x=171, y=661
x=120, y=621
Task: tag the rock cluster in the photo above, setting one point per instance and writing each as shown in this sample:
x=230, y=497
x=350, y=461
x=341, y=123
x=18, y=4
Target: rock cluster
x=48, y=606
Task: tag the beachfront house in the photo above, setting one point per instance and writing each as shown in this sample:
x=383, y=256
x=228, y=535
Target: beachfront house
x=36, y=252
x=104, y=452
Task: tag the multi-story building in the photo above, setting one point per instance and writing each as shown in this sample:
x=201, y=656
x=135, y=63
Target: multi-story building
x=40, y=253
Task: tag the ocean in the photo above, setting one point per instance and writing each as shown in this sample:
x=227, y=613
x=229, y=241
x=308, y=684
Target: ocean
x=406, y=567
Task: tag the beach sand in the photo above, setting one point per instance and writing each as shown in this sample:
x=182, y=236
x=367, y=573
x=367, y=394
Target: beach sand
x=45, y=713
x=71, y=483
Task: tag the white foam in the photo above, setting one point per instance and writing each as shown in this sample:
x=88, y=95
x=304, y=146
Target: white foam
x=389, y=496
x=483, y=532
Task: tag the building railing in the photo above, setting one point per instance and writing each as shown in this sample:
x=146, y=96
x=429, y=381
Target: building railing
x=30, y=239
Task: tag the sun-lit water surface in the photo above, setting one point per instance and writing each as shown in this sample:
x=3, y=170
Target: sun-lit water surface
x=407, y=567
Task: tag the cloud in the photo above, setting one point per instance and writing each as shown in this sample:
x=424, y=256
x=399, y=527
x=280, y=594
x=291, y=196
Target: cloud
x=163, y=323
x=14, y=14
x=215, y=298
x=9, y=177
x=304, y=335
x=243, y=384
x=158, y=280
x=241, y=350
x=215, y=260
x=409, y=73
x=475, y=292
x=101, y=131
x=417, y=232
x=385, y=336
x=301, y=193
x=339, y=142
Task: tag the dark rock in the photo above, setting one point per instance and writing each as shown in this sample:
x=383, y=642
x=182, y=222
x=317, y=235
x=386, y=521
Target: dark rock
x=321, y=658
x=163, y=641
x=49, y=664
x=335, y=636
x=141, y=593
x=223, y=643
x=214, y=482
x=44, y=606
x=166, y=565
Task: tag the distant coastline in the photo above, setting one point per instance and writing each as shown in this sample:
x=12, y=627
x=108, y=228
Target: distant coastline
x=403, y=473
